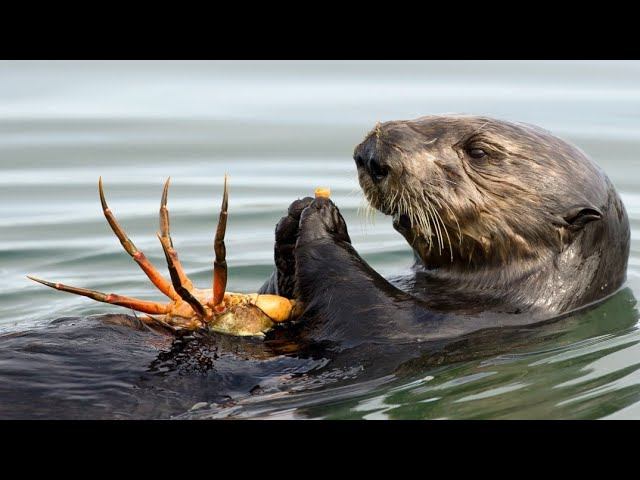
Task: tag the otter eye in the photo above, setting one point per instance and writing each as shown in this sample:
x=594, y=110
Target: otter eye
x=476, y=153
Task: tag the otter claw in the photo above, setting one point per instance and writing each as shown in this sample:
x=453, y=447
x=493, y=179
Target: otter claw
x=322, y=219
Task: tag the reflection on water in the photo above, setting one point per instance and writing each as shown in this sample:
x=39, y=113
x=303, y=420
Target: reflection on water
x=280, y=129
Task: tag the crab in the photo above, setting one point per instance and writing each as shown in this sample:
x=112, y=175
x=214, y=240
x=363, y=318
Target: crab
x=191, y=308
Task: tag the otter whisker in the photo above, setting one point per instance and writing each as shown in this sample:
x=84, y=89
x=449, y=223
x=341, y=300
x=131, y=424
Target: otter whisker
x=367, y=210
x=370, y=213
x=436, y=228
x=419, y=218
x=429, y=188
x=478, y=129
x=433, y=215
x=362, y=208
x=362, y=213
x=446, y=231
x=403, y=210
x=444, y=226
x=425, y=224
x=393, y=203
x=455, y=219
x=424, y=215
x=448, y=180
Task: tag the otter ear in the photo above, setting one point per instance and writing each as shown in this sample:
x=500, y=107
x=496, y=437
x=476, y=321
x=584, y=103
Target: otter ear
x=578, y=217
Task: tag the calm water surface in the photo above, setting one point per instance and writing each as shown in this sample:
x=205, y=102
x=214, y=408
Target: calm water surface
x=280, y=129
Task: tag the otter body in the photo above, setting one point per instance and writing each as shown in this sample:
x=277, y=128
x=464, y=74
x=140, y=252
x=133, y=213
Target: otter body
x=510, y=225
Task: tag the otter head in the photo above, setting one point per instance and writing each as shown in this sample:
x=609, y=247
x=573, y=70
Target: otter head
x=474, y=193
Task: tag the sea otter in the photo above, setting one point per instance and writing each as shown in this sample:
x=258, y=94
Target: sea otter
x=510, y=225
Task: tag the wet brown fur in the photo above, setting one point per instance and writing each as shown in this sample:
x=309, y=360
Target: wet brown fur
x=486, y=223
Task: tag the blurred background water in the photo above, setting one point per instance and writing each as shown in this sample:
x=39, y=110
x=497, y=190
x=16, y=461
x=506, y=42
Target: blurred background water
x=280, y=129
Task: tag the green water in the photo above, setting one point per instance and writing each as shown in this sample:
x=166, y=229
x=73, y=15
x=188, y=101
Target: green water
x=280, y=129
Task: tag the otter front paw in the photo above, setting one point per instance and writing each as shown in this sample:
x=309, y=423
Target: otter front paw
x=321, y=219
x=286, y=237
x=322, y=252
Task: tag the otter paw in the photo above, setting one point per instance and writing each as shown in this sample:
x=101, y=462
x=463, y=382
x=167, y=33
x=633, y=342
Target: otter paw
x=286, y=237
x=321, y=219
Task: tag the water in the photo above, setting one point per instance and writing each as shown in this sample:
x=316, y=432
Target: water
x=280, y=129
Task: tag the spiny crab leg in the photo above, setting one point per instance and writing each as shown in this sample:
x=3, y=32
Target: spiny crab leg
x=134, y=303
x=220, y=263
x=185, y=294
x=166, y=235
x=191, y=308
x=179, y=279
x=156, y=278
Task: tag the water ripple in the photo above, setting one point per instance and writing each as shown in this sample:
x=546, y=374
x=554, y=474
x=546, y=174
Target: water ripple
x=280, y=129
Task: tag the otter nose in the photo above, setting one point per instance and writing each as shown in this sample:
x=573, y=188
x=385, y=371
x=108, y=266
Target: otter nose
x=374, y=167
x=369, y=158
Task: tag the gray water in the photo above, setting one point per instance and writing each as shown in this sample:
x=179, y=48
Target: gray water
x=280, y=129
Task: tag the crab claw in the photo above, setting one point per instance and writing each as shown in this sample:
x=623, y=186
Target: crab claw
x=220, y=262
x=133, y=303
x=277, y=308
x=156, y=278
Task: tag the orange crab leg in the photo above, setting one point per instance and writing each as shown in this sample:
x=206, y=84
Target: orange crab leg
x=167, y=242
x=156, y=278
x=134, y=303
x=184, y=293
x=220, y=263
x=179, y=279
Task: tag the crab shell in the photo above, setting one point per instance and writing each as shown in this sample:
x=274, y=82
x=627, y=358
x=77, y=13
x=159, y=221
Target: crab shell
x=251, y=314
x=239, y=314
